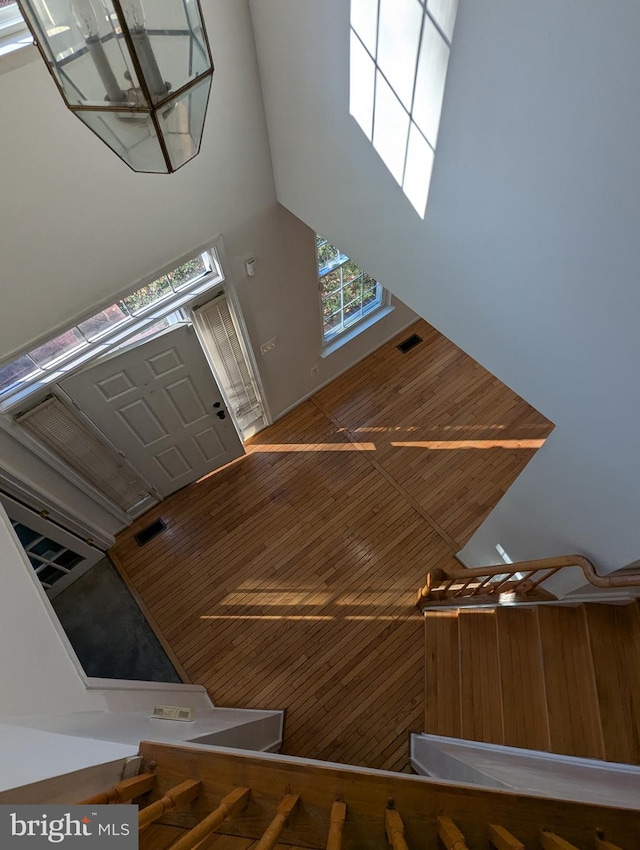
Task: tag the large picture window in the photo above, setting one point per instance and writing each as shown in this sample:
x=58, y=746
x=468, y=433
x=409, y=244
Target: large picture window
x=348, y=293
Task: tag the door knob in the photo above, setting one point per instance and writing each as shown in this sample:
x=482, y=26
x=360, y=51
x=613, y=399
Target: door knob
x=221, y=414
x=217, y=404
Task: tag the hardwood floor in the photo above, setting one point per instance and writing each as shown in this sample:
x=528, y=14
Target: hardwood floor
x=288, y=579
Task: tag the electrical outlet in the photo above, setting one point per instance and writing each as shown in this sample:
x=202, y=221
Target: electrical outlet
x=314, y=370
x=266, y=347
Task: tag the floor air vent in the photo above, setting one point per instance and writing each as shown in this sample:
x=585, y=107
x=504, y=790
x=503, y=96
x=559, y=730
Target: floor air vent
x=409, y=343
x=150, y=531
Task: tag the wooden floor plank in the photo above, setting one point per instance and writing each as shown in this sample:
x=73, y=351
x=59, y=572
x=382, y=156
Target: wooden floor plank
x=288, y=579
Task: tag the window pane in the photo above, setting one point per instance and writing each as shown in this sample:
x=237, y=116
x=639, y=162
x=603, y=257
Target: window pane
x=353, y=312
x=353, y=291
x=150, y=330
x=371, y=299
x=25, y=535
x=332, y=322
x=398, y=39
x=148, y=295
x=13, y=373
x=362, y=86
x=68, y=559
x=328, y=256
x=391, y=128
x=350, y=270
x=331, y=282
x=50, y=575
x=432, y=72
x=58, y=347
x=103, y=321
x=46, y=548
x=187, y=272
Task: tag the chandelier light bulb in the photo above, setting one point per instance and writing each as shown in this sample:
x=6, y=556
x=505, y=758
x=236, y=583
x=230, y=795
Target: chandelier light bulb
x=86, y=18
x=134, y=14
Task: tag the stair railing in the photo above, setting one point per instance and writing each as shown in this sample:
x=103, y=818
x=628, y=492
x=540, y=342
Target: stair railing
x=518, y=582
x=202, y=795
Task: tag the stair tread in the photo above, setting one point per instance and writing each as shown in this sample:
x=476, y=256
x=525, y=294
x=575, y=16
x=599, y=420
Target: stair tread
x=572, y=701
x=480, y=686
x=614, y=633
x=523, y=693
x=442, y=686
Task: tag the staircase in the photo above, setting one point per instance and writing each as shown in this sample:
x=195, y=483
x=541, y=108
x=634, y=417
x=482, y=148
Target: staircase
x=191, y=798
x=559, y=679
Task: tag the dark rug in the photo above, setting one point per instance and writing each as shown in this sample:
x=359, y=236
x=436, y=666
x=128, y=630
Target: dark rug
x=108, y=630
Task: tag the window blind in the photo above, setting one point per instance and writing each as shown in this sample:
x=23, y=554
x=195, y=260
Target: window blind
x=224, y=345
x=54, y=424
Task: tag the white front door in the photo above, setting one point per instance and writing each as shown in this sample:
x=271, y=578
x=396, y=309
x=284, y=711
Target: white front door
x=159, y=404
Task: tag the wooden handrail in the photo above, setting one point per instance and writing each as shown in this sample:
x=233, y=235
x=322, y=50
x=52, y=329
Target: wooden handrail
x=450, y=835
x=229, y=807
x=502, y=839
x=395, y=830
x=441, y=583
x=124, y=791
x=336, y=825
x=175, y=798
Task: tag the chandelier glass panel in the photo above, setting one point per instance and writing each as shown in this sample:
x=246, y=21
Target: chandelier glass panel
x=139, y=77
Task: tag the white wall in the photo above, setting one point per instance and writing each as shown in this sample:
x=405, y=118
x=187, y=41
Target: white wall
x=528, y=254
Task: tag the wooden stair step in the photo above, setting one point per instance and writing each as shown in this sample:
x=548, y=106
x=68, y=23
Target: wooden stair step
x=480, y=685
x=442, y=684
x=572, y=700
x=522, y=677
x=614, y=632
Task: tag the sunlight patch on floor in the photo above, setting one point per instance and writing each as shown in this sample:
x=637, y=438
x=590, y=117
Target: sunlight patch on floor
x=311, y=447
x=469, y=444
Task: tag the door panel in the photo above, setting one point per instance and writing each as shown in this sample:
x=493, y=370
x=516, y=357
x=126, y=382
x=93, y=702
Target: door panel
x=155, y=403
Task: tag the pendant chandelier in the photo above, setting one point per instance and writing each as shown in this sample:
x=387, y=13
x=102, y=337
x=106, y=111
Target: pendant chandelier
x=139, y=78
